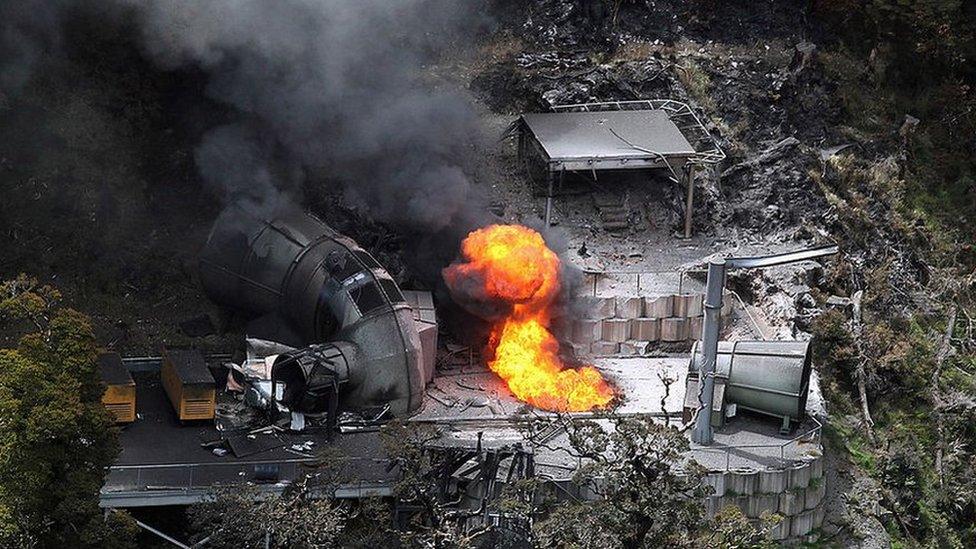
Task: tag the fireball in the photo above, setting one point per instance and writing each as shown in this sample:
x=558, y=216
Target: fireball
x=512, y=264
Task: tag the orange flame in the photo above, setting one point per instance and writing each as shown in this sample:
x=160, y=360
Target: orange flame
x=514, y=265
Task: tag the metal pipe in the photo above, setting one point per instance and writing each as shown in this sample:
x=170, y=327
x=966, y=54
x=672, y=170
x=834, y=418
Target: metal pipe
x=714, y=285
x=780, y=259
x=152, y=530
x=549, y=179
x=689, y=202
x=326, y=289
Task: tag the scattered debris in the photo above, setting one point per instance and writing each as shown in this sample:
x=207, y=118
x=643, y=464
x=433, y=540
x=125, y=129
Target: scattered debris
x=247, y=445
x=364, y=420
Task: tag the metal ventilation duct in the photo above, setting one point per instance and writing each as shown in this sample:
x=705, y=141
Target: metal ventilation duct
x=770, y=377
x=329, y=290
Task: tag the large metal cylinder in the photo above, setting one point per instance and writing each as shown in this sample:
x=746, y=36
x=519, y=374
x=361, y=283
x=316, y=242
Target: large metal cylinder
x=328, y=289
x=769, y=377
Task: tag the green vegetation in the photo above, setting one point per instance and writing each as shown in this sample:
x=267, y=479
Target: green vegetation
x=55, y=437
x=639, y=500
x=234, y=519
x=697, y=82
x=907, y=88
x=642, y=501
x=898, y=371
x=898, y=58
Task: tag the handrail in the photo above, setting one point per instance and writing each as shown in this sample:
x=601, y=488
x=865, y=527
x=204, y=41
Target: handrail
x=816, y=432
x=682, y=275
x=710, y=153
x=214, y=463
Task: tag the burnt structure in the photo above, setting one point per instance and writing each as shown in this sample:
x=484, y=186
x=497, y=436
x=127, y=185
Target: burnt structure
x=588, y=138
x=306, y=284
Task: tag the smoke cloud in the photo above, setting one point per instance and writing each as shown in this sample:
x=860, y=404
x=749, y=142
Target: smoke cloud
x=330, y=87
x=28, y=31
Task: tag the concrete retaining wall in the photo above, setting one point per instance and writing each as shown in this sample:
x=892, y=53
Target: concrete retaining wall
x=795, y=492
x=628, y=325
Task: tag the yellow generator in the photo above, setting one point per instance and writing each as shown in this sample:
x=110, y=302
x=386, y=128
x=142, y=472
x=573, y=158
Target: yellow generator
x=188, y=384
x=119, y=397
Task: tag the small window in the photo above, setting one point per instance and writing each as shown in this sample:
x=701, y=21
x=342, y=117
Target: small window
x=367, y=297
x=367, y=259
x=392, y=292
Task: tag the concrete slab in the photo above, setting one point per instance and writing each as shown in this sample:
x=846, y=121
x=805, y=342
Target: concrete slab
x=600, y=307
x=628, y=348
x=674, y=329
x=688, y=305
x=659, y=307
x=604, y=348
x=695, y=327
x=645, y=329
x=587, y=330
x=629, y=307
x=469, y=400
x=616, y=330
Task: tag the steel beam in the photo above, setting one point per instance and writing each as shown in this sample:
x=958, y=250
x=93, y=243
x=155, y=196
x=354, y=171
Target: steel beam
x=714, y=287
x=549, y=178
x=689, y=202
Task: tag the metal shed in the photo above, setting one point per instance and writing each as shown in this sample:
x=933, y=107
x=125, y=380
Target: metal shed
x=119, y=397
x=188, y=383
x=768, y=377
x=621, y=135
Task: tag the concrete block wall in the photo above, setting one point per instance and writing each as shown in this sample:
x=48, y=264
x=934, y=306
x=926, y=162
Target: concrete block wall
x=629, y=325
x=780, y=491
x=796, y=493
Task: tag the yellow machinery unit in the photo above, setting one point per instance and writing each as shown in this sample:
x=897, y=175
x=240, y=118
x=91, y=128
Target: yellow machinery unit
x=119, y=397
x=188, y=384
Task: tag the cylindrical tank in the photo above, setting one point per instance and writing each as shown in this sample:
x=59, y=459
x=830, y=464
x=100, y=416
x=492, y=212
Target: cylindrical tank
x=770, y=377
x=328, y=289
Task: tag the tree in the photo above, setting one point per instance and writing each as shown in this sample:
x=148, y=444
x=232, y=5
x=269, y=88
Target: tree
x=437, y=521
x=731, y=529
x=648, y=493
x=642, y=499
x=56, y=439
x=237, y=517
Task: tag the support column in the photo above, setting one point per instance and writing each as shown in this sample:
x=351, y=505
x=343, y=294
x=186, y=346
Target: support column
x=549, y=178
x=714, y=285
x=690, y=200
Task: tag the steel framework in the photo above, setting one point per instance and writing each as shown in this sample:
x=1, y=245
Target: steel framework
x=706, y=149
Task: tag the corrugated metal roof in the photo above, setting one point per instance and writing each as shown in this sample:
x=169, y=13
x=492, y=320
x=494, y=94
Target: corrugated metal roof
x=607, y=134
x=189, y=365
x=112, y=371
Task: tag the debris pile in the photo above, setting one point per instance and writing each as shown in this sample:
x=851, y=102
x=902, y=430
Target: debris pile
x=772, y=191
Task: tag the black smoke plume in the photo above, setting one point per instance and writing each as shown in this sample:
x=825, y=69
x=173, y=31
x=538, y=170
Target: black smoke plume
x=330, y=87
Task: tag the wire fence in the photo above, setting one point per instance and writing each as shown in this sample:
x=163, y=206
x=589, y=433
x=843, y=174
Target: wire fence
x=190, y=476
x=811, y=436
x=639, y=283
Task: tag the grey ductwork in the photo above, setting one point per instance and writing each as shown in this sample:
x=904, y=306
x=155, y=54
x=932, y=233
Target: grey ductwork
x=770, y=377
x=329, y=290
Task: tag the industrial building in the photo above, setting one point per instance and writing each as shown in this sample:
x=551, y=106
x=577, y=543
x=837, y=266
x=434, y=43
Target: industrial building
x=336, y=348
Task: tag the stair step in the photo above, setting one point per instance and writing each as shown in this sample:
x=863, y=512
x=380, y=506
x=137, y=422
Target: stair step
x=615, y=225
x=607, y=200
